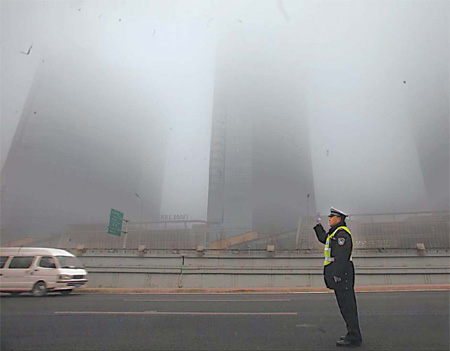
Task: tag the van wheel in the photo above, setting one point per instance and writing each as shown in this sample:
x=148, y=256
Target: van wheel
x=39, y=289
x=66, y=292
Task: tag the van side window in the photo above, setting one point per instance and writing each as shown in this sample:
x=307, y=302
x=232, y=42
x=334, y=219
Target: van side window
x=47, y=262
x=3, y=260
x=21, y=262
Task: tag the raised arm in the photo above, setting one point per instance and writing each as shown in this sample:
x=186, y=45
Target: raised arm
x=320, y=233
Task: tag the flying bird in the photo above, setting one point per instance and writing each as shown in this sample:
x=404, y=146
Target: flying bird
x=154, y=31
x=29, y=50
x=211, y=19
x=282, y=10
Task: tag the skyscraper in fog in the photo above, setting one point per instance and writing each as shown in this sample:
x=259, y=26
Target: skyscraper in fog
x=260, y=164
x=75, y=155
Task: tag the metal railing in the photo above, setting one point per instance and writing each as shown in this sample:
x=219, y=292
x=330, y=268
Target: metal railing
x=152, y=235
x=375, y=231
x=394, y=231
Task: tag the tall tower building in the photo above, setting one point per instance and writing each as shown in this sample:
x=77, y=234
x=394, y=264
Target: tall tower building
x=75, y=156
x=260, y=168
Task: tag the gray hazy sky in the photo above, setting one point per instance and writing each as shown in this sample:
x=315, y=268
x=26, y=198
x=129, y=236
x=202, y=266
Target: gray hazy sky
x=374, y=76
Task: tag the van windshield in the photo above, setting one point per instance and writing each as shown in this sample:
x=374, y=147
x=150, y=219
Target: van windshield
x=69, y=262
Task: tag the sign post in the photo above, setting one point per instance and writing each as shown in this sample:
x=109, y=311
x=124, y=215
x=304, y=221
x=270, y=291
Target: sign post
x=126, y=233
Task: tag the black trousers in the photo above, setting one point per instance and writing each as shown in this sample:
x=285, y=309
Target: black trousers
x=347, y=304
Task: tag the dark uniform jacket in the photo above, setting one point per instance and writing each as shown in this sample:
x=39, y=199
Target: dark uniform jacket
x=341, y=248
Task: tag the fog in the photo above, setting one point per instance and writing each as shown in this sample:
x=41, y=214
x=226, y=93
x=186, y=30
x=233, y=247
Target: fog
x=104, y=99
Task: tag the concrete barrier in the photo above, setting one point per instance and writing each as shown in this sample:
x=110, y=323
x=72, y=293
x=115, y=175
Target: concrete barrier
x=192, y=269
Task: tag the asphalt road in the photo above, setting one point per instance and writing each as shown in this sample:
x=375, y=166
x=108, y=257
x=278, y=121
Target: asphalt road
x=290, y=321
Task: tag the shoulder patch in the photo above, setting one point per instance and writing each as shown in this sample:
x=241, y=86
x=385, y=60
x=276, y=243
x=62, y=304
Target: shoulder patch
x=341, y=241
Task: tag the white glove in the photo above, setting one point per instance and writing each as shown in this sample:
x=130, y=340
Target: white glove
x=318, y=219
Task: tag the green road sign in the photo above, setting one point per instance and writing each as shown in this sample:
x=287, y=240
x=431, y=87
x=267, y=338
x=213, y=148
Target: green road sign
x=115, y=222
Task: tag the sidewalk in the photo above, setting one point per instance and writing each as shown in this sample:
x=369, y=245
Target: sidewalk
x=375, y=288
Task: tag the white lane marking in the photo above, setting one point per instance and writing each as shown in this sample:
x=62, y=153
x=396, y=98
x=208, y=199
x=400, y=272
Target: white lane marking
x=207, y=300
x=186, y=313
x=311, y=326
x=311, y=292
x=258, y=292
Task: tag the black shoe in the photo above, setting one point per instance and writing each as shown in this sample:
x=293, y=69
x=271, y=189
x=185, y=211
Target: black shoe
x=348, y=343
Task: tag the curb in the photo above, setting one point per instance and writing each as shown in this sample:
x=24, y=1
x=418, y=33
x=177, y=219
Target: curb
x=382, y=288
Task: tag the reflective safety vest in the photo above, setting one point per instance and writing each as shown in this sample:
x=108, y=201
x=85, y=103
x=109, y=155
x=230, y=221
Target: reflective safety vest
x=327, y=248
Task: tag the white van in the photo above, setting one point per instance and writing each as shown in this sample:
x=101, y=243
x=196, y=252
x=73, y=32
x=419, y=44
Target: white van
x=39, y=270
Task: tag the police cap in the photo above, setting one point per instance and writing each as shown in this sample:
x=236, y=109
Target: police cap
x=336, y=212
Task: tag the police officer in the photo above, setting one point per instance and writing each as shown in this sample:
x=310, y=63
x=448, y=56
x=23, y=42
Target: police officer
x=339, y=272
